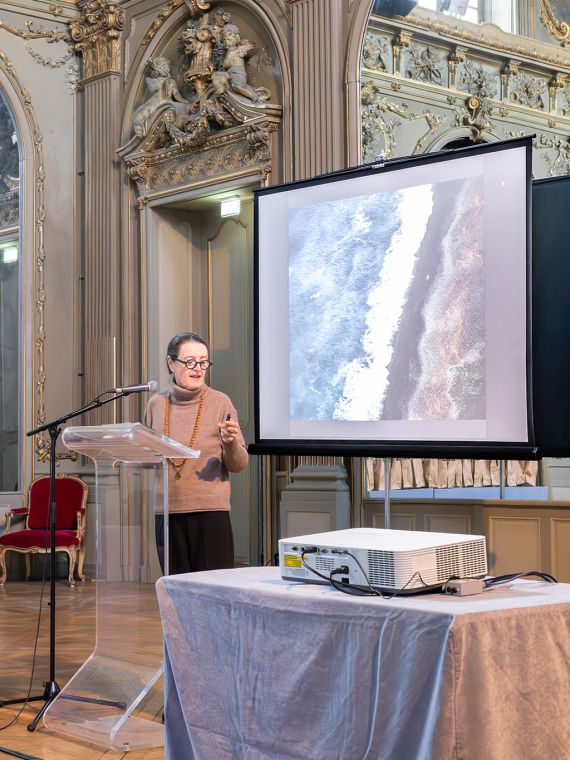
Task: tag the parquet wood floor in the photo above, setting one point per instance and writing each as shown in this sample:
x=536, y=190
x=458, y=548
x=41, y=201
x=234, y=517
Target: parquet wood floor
x=75, y=626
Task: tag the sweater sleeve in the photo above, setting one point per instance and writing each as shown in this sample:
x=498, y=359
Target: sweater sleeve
x=234, y=454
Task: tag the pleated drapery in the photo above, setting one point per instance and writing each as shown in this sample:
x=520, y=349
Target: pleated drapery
x=449, y=473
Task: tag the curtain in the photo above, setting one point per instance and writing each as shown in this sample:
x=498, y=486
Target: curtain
x=449, y=473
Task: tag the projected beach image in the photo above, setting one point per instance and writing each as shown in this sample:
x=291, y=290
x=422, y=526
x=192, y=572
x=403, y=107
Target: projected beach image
x=386, y=305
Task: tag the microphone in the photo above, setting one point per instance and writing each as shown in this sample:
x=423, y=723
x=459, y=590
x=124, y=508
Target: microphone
x=150, y=387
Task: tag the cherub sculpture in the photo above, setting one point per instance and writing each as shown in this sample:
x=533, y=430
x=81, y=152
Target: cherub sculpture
x=234, y=75
x=163, y=89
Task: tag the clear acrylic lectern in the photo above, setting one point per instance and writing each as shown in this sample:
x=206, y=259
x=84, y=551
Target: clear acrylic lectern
x=131, y=486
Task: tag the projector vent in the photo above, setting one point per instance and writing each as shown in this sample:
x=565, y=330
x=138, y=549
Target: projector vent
x=325, y=564
x=381, y=569
x=465, y=560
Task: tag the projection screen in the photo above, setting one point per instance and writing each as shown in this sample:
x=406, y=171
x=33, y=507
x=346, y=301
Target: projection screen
x=392, y=308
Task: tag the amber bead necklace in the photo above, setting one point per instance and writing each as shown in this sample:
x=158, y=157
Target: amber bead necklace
x=178, y=464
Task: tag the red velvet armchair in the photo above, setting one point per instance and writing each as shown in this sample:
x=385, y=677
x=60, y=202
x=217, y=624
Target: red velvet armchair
x=34, y=538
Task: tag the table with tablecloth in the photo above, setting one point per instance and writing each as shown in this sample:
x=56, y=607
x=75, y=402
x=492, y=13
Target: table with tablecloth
x=258, y=668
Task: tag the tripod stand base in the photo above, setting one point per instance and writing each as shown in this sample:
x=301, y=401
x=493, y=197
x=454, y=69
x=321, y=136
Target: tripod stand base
x=21, y=701
x=51, y=690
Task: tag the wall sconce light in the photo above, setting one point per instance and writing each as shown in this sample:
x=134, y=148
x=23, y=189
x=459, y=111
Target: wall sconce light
x=230, y=206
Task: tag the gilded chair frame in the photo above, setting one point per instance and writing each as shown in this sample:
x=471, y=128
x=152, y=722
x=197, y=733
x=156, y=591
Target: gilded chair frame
x=76, y=554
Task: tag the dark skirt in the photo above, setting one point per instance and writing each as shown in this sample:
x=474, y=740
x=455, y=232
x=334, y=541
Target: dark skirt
x=197, y=541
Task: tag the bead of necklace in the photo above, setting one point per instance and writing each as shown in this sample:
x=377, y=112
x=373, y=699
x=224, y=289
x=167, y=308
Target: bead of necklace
x=178, y=464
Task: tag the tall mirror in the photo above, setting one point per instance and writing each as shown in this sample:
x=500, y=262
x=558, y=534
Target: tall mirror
x=10, y=301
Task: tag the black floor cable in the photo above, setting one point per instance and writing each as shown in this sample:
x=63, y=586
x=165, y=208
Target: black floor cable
x=5, y=750
x=498, y=580
x=22, y=755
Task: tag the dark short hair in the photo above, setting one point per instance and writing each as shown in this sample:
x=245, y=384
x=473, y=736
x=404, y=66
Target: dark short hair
x=180, y=338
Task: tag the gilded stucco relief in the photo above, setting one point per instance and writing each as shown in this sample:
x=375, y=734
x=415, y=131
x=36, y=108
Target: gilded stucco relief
x=463, y=91
x=51, y=36
x=97, y=37
x=203, y=114
x=555, y=15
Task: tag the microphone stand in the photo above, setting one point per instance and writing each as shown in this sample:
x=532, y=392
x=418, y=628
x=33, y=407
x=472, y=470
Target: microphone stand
x=51, y=688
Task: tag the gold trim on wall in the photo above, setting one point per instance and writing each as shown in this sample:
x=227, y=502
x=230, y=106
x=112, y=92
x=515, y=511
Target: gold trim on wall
x=98, y=38
x=164, y=13
x=560, y=30
x=38, y=360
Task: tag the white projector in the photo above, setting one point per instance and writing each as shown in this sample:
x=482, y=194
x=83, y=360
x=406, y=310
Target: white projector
x=401, y=561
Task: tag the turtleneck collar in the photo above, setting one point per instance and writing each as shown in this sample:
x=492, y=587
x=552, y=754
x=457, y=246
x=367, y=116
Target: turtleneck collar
x=183, y=395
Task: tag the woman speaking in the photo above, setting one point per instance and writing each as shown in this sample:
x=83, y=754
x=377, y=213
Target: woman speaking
x=200, y=532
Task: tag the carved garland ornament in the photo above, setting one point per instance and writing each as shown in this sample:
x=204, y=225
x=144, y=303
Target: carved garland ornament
x=51, y=36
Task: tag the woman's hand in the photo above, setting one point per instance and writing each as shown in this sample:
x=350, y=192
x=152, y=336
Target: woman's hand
x=228, y=429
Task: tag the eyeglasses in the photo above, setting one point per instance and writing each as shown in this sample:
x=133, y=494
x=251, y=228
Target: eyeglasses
x=193, y=363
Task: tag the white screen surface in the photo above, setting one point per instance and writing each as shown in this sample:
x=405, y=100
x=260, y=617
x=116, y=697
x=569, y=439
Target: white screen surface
x=392, y=306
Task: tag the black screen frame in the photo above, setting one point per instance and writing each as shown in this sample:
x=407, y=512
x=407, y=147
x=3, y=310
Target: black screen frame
x=402, y=448
x=551, y=326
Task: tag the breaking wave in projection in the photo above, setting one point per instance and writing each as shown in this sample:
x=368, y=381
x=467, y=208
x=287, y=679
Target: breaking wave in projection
x=351, y=263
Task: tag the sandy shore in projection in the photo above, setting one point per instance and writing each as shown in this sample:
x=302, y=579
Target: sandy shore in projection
x=438, y=365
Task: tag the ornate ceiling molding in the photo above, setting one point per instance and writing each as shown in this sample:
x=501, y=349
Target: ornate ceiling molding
x=560, y=30
x=97, y=37
x=482, y=40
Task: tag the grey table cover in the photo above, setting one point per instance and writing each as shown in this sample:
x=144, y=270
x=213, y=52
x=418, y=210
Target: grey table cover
x=262, y=669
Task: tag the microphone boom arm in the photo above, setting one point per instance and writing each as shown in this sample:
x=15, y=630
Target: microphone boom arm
x=89, y=407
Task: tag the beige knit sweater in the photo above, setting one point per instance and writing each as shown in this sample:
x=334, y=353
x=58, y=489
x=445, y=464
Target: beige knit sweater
x=205, y=482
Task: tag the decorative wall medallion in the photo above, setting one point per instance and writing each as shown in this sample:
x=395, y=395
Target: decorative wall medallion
x=528, y=91
x=373, y=51
x=476, y=115
x=425, y=65
x=556, y=154
x=477, y=81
